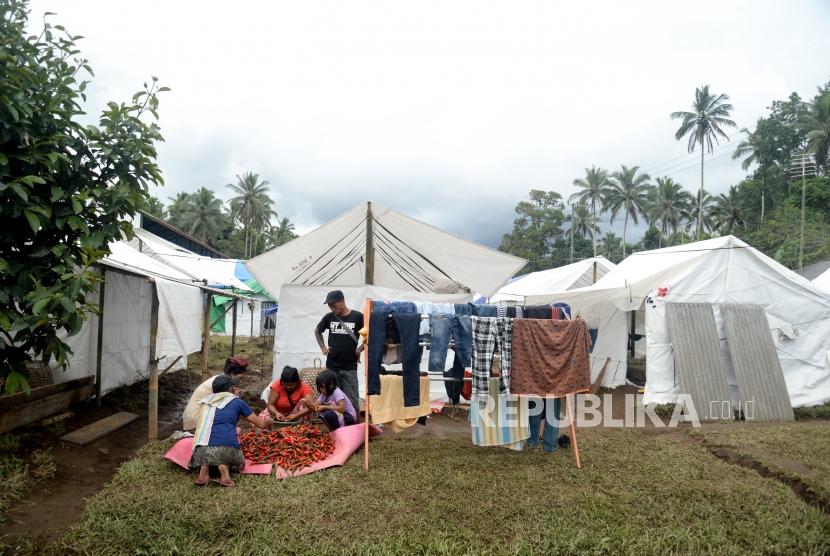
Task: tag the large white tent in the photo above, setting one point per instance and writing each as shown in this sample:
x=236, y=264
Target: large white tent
x=409, y=255
x=577, y=275
x=822, y=282
x=718, y=271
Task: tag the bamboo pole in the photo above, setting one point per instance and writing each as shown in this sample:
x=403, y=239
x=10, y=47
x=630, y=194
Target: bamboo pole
x=153, y=409
x=367, y=320
x=206, y=334
x=572, y=425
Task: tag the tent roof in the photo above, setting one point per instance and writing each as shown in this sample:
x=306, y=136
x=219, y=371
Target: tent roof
x=640, y=273
x=576, y=275
x=218, y=273
x=822, y=282
x=409, y=255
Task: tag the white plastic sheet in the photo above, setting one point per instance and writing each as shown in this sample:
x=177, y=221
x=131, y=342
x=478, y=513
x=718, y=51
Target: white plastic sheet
x=179, y=321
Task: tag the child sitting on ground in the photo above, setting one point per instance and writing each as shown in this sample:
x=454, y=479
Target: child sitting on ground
x=334, y=408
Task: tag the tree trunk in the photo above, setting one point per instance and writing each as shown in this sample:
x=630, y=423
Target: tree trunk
x=625, y=227
x=762, y=204
x=594, y=224
x=573, y=223
x=700, y=199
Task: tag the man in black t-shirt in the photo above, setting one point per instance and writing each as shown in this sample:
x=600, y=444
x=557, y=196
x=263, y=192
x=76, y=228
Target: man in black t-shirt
x=344, y=349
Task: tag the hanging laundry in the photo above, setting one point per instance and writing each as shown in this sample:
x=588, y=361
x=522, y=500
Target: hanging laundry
x=409, y=325
x=499, y=419
x=550, y=357
x=536, y=312
x=505, y=311
x=388, y=407
x=442, y=329
x=483, y=310
x=381, y=330
x=491, y=336
x=426, y=308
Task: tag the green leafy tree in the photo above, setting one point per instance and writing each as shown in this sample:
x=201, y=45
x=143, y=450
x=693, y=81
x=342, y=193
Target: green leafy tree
x=669, y=204
x=580, y=224
x=727, y=213
x=280, y=234
x=536, y=228
x=628, y=193
x=704, y=125
x=611, y=247
x=779, y=236
x=178, y=206
x=816, y=124
x=202, y=216
x=651, y=239
x=154, y=207
x=592, y=189
x=67, y=189
x=252, y=207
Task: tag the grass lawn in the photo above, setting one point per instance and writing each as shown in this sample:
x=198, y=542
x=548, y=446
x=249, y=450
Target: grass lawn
x=796, y=450
x=636, y=493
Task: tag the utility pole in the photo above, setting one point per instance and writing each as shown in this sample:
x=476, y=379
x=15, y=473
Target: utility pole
x=802, y=165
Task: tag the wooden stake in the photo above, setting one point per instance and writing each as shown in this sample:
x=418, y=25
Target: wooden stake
x=233, y=334
x=572, y=425
x=100, y=347
x=206, y=333
x=153, y=409
x=367, y=319
x=370, y=246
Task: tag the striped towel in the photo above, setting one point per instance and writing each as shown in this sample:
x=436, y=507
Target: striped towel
x=207, y=412
x=499, y=419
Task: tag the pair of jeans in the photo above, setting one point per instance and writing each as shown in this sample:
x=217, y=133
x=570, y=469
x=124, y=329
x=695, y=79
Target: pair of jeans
x=347, y=381
x=409, y=325
x=454, y=386
x=484, y=310
x=334, y=420
x=427, y=308
x=382, y=328
x=441, y=329
x=550, y=414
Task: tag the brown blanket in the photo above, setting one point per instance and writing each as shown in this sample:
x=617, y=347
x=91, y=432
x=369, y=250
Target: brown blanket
x=550, y=357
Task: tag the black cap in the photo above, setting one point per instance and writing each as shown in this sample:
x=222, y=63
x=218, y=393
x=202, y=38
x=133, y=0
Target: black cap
x=223, y=383
x=333, y=296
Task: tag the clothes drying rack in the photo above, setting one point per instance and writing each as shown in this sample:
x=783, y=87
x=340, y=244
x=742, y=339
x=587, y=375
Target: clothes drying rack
x=434, y=377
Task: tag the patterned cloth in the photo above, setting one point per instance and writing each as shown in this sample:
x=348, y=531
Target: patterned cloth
x=491, y=335
x=499, y=419
x=550, y=357
x=218, y=455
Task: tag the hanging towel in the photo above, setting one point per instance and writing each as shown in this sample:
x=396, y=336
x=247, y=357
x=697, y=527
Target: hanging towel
x=207, y=412
x=499, y=419
x=388, y=407
x=550, y=357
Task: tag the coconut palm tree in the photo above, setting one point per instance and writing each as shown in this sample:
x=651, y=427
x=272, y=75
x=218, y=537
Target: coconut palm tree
x=704, y=124
x=178, y=205
x=669, y=203
x=580, y=223
x=628, y=192
x=748, y=150
x=726, y=211
x=202, y=216
x=611, y=244
x=592, y=191
x=252, y=206
x=692, y=218
x=280, y=234
x=817, y=126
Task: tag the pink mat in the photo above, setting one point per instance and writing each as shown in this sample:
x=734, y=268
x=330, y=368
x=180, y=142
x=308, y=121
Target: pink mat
x=347, y=440
x=181, y=451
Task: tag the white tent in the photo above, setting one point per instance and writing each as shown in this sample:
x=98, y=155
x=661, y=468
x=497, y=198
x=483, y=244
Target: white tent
x=128, y=299
x=216, y=273
x=822, y=282
x=577, y=275
x=717, y=271
x=409, y=255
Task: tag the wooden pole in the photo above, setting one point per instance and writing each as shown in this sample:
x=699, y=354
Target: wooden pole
x=633, y=330
x=99, y=349
x=366, y=409
x=370, y=246
x=206, y=333
x=233, y=334
x=595, y=272
x=153, y=409
x=572, y=425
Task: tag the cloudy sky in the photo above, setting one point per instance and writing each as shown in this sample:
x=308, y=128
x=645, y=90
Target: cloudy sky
x=448, y=111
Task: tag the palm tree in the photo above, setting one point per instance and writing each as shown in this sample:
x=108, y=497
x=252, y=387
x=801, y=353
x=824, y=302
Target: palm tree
x=726, y=211
x=669, y=203
x=692, y=218
x=817, y=126
x=202, y=216
x=582, y=223
x=610, y=245
x=178, y=205
x=252, y=206
x=748, y=149
x=703, y=125
x=281, y=233
x=628, y=192
x=592, y=192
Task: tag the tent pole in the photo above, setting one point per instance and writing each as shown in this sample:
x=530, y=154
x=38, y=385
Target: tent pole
x=153, y=409
x=206, y=333
x=633, y=329
x=99, y=349
x=595, y=272
x=572, y=425
x=370, y=246
x=233, y=334
x=368, y=313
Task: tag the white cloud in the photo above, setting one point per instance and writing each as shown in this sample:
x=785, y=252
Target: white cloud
x=450, y=112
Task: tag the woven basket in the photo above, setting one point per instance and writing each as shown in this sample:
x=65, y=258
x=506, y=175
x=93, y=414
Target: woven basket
x=309, y=375
x=39, y=374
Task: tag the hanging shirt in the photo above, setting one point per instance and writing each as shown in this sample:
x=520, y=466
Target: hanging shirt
x=342, y=339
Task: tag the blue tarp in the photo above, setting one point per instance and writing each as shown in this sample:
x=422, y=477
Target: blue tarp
x=241, y=272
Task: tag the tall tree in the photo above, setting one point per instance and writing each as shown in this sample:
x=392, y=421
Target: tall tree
x=177, y=208
x=536, y=228
x=280, y=234
x=726, y=211
x=580, y=224
x=628, y=192
x=817, y=126
x=592, y=192
x=154, y=207
x=67, y=188
x=668, y=204
x=704, y=125
x=252, y=206
x=202, y=216
x=611, y=246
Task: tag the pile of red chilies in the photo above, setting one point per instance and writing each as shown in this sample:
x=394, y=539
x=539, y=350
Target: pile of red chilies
x=291, y=448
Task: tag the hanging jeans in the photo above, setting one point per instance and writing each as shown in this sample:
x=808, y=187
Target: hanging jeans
x=379, y=330
x=444, y=327
x=484, y=310
x=454, y=386
x=491, y=336
x=550, y=415
x=409, y=325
